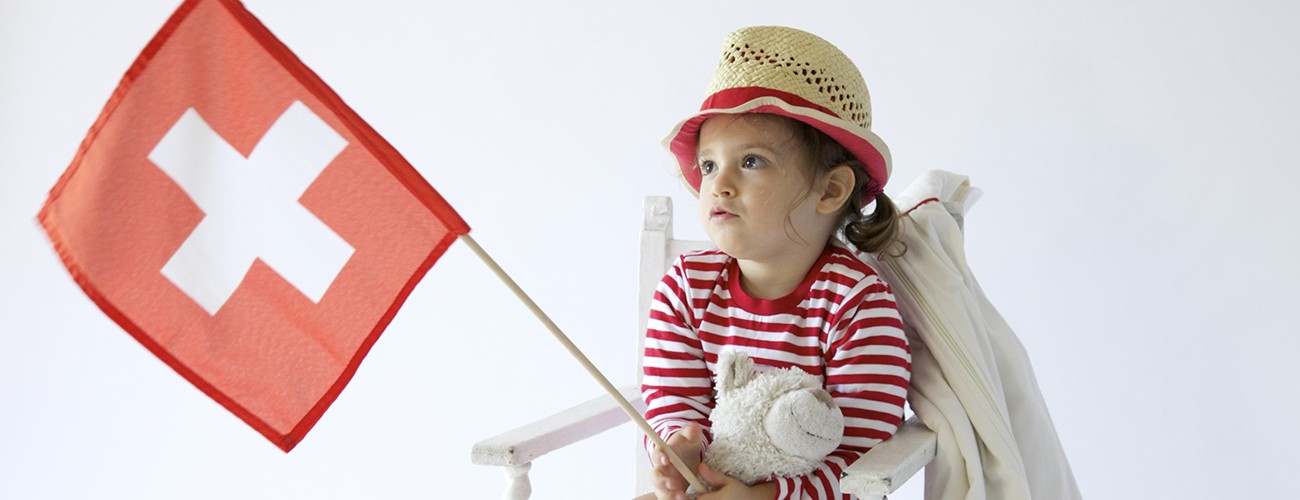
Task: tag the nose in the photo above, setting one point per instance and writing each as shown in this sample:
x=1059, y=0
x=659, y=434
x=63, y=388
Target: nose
x=722, y=184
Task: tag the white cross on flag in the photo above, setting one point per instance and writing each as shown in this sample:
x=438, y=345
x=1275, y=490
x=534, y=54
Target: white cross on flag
x=231, y=213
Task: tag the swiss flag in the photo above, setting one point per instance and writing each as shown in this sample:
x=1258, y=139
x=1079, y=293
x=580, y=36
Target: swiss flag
x=231, y=213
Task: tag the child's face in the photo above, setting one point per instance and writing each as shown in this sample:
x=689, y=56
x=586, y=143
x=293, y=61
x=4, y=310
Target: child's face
x=756, y=193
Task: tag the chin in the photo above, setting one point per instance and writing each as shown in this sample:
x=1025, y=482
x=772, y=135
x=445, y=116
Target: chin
x=723, y=244
x=734, y=250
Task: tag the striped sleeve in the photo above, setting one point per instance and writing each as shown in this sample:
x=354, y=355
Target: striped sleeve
x=868, y=369
x=675, y=382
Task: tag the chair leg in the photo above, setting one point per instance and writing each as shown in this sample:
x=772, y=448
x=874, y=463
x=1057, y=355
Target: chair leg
x=517, y=485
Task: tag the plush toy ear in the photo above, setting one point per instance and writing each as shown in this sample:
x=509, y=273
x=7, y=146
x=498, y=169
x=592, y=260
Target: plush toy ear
x=735, y=369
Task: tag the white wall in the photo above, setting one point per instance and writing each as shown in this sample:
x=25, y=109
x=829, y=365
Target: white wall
x=1138, y=160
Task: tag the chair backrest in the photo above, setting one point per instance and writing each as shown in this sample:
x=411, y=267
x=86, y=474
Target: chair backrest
x=658, y=251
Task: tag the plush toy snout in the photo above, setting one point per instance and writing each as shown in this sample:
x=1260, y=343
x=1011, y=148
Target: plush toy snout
x=805, y=423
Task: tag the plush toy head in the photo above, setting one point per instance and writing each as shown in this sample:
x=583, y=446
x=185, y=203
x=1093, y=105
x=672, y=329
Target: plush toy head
x=769, y=424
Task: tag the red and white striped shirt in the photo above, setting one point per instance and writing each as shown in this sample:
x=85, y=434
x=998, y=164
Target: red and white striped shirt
x=840, y=324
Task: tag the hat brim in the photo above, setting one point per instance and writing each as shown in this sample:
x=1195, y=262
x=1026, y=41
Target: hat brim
x=866, y=146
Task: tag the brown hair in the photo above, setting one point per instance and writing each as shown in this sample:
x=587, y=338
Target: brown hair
x=871, y=233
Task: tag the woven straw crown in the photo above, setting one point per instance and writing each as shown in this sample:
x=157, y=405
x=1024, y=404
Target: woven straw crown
x=797, y=62
x=792, y=73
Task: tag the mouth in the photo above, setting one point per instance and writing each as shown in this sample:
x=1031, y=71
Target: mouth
x=718, y=213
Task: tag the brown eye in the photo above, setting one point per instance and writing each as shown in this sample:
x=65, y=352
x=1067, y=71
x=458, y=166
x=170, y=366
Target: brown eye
x=707, y=167
x=755, y=162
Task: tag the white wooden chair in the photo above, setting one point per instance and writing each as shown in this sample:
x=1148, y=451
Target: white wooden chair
x=879, y=472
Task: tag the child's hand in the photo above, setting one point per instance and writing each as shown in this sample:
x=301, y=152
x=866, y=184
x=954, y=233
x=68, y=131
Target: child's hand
x=728, y=488
x=669, y=483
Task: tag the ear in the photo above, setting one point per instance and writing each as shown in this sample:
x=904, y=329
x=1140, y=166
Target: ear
x=735, y=369
x=837, y=186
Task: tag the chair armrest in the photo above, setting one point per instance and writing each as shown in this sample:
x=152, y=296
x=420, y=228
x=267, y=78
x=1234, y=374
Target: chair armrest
x=522, y=445
x=886, y=467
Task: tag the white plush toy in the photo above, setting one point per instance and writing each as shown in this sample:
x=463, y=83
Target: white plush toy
x=770, y=424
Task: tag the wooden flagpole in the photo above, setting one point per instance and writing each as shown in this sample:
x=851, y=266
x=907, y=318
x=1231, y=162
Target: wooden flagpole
x=636, y=417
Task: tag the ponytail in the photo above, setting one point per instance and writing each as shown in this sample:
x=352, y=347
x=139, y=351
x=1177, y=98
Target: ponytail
x=875, y=232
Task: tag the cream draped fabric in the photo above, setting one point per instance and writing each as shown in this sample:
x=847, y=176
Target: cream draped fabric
x=972, y=382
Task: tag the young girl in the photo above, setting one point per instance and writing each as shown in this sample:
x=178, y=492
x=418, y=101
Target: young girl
x=783, y=161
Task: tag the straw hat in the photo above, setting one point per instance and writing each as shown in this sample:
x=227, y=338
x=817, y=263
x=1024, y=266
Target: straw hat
x=792, y=73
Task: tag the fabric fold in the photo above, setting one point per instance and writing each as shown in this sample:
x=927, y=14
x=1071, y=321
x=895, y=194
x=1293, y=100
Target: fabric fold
x=972, y=382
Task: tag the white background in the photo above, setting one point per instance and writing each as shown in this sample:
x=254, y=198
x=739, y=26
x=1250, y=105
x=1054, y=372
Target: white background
x=1138, y=158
